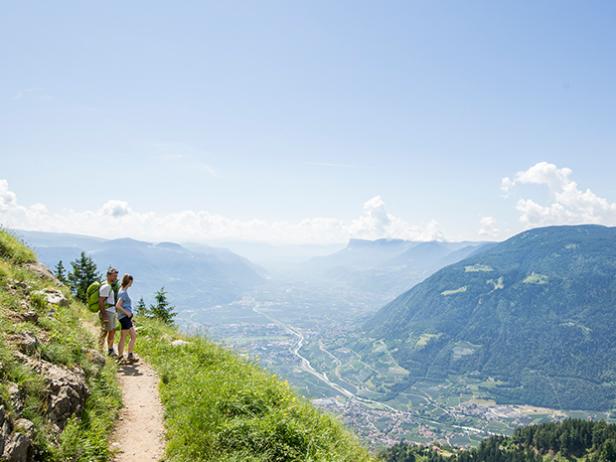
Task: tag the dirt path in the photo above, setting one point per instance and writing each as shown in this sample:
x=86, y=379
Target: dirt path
x=139, y=433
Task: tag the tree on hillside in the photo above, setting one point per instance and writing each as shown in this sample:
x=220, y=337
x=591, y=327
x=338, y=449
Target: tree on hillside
x=84, y=272
x=142, y=310
x=60, y=272
x=162, y=309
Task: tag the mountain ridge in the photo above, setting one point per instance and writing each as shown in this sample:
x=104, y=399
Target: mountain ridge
x=194, y=278
x=534, y=306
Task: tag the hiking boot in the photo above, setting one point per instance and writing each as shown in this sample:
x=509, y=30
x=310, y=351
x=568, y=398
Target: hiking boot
x=112, y=354
x=132, y=359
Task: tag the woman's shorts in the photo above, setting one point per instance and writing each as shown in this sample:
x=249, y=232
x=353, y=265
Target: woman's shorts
x=126, y=323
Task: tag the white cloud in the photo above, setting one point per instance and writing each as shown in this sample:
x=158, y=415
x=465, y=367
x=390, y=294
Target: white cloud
x=8, y=199
x=115, y=209
x=115, y=218
x=377, y=223
x=374, y=222
x=488, y=227
x=568, y=204
x=542, y=173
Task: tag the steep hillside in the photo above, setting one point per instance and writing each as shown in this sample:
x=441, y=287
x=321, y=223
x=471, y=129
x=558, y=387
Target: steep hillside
x=58, y=397
x=534, y=316
x=193, y=278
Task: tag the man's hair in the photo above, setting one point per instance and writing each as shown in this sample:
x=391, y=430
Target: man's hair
x=111, y=270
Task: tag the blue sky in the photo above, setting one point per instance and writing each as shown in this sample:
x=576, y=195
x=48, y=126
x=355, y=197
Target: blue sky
x=275, y=120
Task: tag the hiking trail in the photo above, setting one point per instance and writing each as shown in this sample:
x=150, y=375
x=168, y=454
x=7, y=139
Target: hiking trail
x=139, y=433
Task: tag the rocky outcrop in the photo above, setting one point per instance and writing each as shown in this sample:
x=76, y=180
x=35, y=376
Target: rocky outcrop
x=95, y=358
x=5, y=429
x=30, y=316
x=16, y=397
x=68, y=392
x=42, y=271
x=15, y=439
x=26, y=342
x=53, y=296
x=67, y=389
x=18, y=446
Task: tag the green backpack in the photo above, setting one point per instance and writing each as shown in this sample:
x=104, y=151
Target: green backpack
x=92, y=294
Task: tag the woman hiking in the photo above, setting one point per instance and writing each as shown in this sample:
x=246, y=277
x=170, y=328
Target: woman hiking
x=125, y=316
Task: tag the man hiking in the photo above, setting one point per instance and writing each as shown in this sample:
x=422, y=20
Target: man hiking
x=107, y=311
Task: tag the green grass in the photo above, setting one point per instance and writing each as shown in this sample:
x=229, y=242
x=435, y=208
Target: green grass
x=221, y=408
x=13, y=250
x=63, y=340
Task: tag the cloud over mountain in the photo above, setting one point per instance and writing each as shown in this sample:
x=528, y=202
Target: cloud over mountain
x=115, y=218
x=567, y=203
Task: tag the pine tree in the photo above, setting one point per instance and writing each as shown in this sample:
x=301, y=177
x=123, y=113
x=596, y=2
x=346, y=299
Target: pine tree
x=60, y=272
x=161, y=309
x=83, y=274
x=142, y=310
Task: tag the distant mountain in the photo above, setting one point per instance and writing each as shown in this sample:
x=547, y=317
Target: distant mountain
x=193, y=278
x=277, y=259
x=387, y=267
x=532, y=319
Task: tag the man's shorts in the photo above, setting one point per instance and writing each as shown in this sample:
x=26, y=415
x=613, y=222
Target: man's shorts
x=126, y=323
x=109, y=323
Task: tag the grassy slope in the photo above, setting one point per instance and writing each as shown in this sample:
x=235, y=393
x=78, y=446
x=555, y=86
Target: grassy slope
x=221, y=408
x=63, y=341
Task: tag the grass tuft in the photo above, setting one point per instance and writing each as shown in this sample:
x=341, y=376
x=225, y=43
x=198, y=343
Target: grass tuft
x=14, y=250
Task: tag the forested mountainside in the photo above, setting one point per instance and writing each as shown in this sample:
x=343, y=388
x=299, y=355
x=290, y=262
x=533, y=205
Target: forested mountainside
x=534, y=316
x=571, y=439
